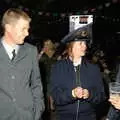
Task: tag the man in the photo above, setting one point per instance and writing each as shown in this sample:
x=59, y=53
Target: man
x=21, y=96
x=47, y=59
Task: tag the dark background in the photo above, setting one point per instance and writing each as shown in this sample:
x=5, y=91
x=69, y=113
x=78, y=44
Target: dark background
x=50, y=19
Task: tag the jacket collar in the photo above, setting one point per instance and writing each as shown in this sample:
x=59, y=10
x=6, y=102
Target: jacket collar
x=21, y=53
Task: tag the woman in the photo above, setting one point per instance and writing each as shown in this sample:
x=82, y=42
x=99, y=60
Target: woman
x=76, y=85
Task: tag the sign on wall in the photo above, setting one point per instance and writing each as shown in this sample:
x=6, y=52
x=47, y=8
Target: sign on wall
x=77, y=21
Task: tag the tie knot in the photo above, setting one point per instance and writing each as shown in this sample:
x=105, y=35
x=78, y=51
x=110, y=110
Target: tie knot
x=14, y=54
x=13, y=51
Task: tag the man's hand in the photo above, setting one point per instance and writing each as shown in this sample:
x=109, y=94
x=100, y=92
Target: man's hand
x=115, y=101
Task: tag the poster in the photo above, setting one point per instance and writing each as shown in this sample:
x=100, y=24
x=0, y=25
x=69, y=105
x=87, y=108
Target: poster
x=77, y=21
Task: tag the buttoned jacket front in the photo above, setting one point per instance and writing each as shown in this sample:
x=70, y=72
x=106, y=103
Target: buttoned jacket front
x=21, y=96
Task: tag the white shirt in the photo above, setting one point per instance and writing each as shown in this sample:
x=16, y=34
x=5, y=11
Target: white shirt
x=9, y=49
x=78, y=62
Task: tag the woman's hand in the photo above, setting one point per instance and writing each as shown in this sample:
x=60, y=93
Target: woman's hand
x=85, y=94
x=80, y=93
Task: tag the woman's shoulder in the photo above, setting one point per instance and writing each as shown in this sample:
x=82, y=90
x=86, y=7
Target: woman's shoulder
x=91, y=65
x=62, y=61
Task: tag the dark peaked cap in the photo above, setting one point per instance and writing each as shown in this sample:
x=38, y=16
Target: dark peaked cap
x=80, y=34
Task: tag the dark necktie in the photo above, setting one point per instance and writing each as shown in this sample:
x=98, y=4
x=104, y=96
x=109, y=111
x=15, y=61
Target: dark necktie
x=77, y=71
x=14, y=54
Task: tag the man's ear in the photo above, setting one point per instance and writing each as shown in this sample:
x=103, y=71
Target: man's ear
x=8, y=27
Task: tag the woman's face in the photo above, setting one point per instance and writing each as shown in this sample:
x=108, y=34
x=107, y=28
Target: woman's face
x=79, y=49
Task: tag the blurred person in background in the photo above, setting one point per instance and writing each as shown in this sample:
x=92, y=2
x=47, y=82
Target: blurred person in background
x=46, y=60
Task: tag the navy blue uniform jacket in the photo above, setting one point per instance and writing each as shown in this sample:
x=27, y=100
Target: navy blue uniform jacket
x=63, y=81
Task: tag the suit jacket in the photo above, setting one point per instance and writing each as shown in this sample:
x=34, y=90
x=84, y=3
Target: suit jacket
x=21, y=96
x=63, y=80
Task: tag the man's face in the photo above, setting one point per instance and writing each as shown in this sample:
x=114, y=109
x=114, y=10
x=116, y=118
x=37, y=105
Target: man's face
x=49, y=44
x=18, y=31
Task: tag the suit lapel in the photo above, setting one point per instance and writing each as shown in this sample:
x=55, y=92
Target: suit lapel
x=22, y=52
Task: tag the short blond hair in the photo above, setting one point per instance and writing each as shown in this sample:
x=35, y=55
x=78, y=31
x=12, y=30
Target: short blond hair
x=14, y=14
